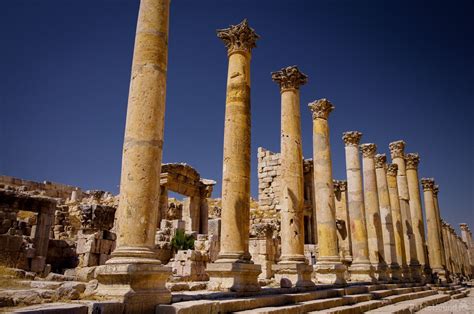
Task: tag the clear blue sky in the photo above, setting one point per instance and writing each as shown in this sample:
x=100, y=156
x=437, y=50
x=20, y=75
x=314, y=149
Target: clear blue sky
x=393, y=69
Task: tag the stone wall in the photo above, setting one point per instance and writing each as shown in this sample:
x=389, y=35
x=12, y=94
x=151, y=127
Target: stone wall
x=46, y=188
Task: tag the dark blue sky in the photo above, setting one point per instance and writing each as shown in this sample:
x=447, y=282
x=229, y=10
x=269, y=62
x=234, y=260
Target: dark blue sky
x=393, y=69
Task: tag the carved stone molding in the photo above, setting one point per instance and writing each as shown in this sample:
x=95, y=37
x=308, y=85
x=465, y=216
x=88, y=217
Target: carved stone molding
x=427, y=183
x=392, y=170
x=289, y=78
x=380, y=160
x=351, y=138
x=397, y=149
x=321, y=108
x=368, y=150
x=412, y=160
x=238, y=37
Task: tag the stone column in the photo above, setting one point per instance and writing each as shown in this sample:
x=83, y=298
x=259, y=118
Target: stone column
x=467, y=238
x=397, y=153
x=360, y=269
x=134, y=275
x=233, y=269
x=438, y=221
x=411, y=161
x=163, y=205
x=372, y=212
x=447, y=248
x=434, y=242
x=292, y=265
x=342, y=221
x=386, y=219
x=453, y=251
x=398, y=227
x=328, y=268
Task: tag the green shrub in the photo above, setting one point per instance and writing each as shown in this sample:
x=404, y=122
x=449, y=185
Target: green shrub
x=182, y=241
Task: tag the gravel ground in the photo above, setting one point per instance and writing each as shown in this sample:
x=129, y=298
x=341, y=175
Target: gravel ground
x=464, y=305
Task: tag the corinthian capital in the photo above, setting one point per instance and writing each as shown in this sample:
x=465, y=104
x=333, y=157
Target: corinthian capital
x=392, y=170
x=321, y=108
x=412, y=160
x=342, y=185
x=436, y=189
x=380, y=160
x=368, y=150
x=397, y=149
x=427, y=183
x=351, y=138
x=464, y=227
x=289, y=78
x=238, y=37
x=337, y=187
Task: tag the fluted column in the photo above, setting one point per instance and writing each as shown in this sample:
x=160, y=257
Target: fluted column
x=434, y=242
x=233, y=269
x=386, y=218
x=292, y=265
x=397, y=153
x=372, y=212
x=360, y=269
x=412, y=161
x=328, y=267
x=134, y=266
x=398, y=227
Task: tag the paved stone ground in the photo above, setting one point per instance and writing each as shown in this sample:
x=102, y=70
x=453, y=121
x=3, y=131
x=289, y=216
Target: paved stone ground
x=464, y=306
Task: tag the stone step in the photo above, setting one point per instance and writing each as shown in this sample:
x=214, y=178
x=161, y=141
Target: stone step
x=361, y=307
x=411, y=306
x=300, y=308
x=409, y=296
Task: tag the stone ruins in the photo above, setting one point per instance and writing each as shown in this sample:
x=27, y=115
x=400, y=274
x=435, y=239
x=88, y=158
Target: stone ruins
x=311, y=242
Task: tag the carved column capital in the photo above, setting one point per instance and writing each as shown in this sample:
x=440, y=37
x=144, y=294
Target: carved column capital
x=238, y=37
x=427, y=183
x=351, y=138
x=380, y=160
x=342, y=185
x=464, y=226
x=336, y=185
x=289, y=78
x=392, y=170
x=397, y=149
x=436, y=189
x=412, y=160
x=368, y=150
x=321, y=108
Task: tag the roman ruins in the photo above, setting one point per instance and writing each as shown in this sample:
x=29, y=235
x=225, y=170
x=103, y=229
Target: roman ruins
x=310, y=242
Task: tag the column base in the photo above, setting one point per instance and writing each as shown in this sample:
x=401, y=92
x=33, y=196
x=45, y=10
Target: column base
x=139, y=286
x=293, y=274
x=439, y=276
x=406, y=273
x=330, y=272
x=233, y=276
x=380, y=272
x=416, y=273
x=395, y=273
x=362, y=272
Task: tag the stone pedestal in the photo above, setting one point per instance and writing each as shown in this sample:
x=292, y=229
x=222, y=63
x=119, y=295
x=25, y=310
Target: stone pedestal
x=372, y=212
x=233, y=276
x=233, y=269
x=293, y=274
x=134, y=275
x=360, y=269
x=397, y=152
x=329, y=268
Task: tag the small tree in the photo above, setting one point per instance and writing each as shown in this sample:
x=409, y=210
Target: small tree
x=182, y=241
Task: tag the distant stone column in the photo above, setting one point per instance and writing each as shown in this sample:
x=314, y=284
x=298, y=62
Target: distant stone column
x=293, y=265
x=398, y=227
x=134, y=275
x=447, y=248
x=233, y=270
x=467, y=238
x=342, y=221
x=453, y=251
x=372, y=212
x=411, y=161
x=434, y=242
x=386, y=219
x=329, y=268
x=438, y=220
x=397, y=152
x=360, y=269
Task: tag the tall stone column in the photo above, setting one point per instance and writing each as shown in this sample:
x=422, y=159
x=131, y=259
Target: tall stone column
x=134, y=275
x=386, y=219
x=372, y=212
x=398, y=227
x=438, y=220
x=328, y=268
x=233, y=270
x=397, y=152
x=434, y=242
x=342, y=222
x=467, y=238
x=293, y=265
x=447, y=248
x=453, y=250
x=360, y=269
x=411, y=161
